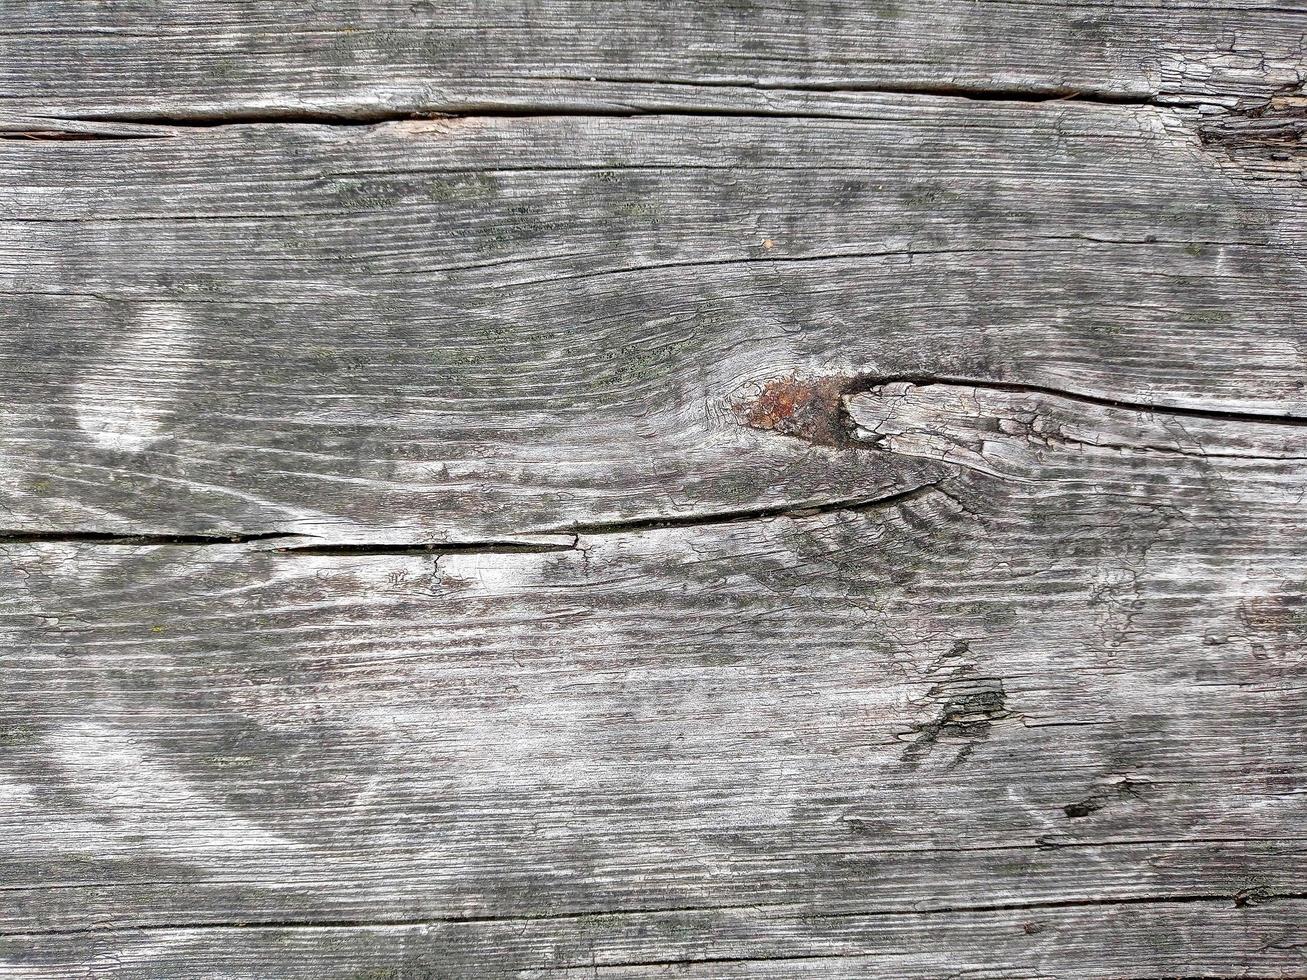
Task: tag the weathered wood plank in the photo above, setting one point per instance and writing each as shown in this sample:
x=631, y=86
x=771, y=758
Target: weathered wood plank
x=1156, y=940
x=478, y=328
x=1040, y=717
x=198, y=58
x=697, y=515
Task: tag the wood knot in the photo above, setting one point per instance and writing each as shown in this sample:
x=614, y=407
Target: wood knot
x=803, y=408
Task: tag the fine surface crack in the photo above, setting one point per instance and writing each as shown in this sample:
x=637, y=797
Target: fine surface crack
x=522, y=544
x=398, y=923
x=143, y=539
x=578, y=530
x=714, y=518
x=381, y=115
x=1242, y=899
x=504, y=547
x=864, y=384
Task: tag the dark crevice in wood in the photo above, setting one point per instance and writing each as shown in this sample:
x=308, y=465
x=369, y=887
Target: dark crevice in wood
x=864, y=384
x=632, y=526
x=491, y=547
x=946, y=90
x=495, y=547
x=1269, y=135
x=708, y=961
x=396, y=923
x=1105, y=796
x=370, y=116
x=452, y=548
x=715, y=518
x=763, y=259
x=39, y=127
x=361, y=117
x=1026, y=722
x=1270, y=129
x=815, y=408
x=142, y=539
x=66, y=136
x=1239, y=900
x=1243, y=899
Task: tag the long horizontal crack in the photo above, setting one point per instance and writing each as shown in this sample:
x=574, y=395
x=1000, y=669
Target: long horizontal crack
x=952, y=90
x=520, y=544
x=714, y=518
x=141, y=539
x=865, y=383
x=67, y=136
x=48, y=126
x=592, y=968
x=579, y=530
x=757, y=260
x=506, y=547
x=1238, y=900
x=385, y=923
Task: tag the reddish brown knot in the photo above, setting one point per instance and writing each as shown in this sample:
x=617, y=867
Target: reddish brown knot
x=804, y=408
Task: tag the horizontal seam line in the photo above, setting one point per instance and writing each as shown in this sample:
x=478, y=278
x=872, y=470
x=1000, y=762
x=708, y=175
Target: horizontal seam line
x=361, y=117
x=867, y=384
x=805, y=910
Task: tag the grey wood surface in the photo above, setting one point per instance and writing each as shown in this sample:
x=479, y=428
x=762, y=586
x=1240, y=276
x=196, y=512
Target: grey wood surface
x=652, y=490
x=361, y=58
x=453, y=329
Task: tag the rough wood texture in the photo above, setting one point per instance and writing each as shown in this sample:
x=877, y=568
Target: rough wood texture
x=493, y=326
x=986, y=708
x=362, y=58
x=809, y=489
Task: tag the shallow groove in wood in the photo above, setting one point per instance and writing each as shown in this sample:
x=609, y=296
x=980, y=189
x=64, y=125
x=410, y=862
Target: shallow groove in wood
x=364, y=117
x=742, y=490
x=144, y=539
x=308, y=924
x=868, y=383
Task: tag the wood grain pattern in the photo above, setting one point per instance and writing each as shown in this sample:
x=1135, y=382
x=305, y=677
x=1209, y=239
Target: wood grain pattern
x=652, y=490
x=993, y=707
x=473, y=329
x=198, y=59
